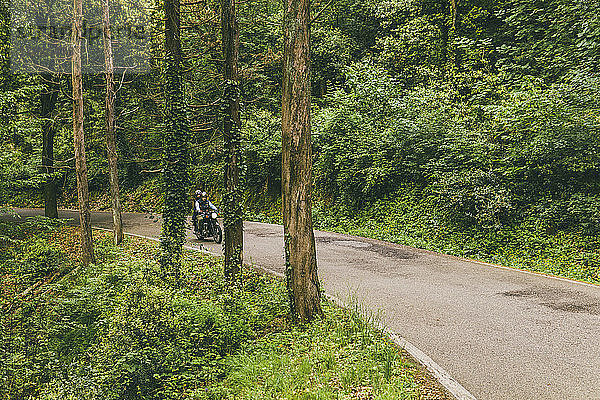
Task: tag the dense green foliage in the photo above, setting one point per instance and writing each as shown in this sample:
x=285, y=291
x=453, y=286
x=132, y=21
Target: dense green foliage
x=476, y=133
x=116, y=330
x=530, y=152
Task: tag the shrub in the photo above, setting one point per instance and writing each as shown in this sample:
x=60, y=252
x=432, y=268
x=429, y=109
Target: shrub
x=41, y=259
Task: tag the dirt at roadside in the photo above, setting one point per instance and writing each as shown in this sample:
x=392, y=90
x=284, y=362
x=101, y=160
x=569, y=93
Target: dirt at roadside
x=431, y=388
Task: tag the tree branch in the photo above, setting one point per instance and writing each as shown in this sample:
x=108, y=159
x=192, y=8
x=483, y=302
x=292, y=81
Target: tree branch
x=321, y=12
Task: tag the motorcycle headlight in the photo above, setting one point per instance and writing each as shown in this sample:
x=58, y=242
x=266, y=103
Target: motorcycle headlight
x=214, y=215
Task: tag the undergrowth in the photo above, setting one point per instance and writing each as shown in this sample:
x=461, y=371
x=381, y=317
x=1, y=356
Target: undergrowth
x=116, y=330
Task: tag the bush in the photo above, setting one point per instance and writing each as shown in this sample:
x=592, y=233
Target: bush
x=160, y=343
x=41, y=259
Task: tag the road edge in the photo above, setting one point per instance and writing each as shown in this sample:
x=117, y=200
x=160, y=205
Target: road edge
x=442, y=376
x=379, y=241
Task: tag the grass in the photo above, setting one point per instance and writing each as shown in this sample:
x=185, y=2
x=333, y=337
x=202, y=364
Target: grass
x=333, y=359
x=117, y=330
x=340, y=357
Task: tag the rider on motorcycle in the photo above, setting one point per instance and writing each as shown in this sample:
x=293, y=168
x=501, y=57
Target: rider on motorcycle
x=201, y=207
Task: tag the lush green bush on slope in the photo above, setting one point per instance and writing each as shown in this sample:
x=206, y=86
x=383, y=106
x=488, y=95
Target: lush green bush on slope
x=503, y=157
x=533, y=151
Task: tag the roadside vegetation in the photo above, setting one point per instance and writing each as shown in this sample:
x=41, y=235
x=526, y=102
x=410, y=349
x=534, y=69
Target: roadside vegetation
x=116, y=330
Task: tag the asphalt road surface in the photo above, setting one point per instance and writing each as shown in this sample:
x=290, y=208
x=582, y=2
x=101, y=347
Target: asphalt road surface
x=501, y=333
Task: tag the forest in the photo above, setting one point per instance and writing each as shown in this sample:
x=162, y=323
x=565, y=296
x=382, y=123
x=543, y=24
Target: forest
x=466, y=127
x=473, y=124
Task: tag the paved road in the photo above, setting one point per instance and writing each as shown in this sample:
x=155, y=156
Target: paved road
x=502, y=333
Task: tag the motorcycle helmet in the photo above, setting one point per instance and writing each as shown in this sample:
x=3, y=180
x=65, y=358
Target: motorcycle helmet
x=198, y=193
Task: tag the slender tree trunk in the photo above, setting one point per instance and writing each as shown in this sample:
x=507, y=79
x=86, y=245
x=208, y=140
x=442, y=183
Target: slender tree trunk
x=233, y=216
x=454, y=7
x=301, y=260
x=79, y=139
x=443, y=58
x=49, y=97
x=455, y=27
x=175, y=147
x=111, y=146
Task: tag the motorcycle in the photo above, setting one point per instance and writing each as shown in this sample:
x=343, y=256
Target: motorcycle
x=208, y=226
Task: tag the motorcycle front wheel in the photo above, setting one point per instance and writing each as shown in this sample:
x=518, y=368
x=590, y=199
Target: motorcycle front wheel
x=217, y=233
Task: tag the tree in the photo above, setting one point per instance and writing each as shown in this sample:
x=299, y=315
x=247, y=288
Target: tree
x=233, y=217
x=175, y=156
x=48, y=100
x=454, y=7
x=79, y=138
x=300, y=253
x=111, y=147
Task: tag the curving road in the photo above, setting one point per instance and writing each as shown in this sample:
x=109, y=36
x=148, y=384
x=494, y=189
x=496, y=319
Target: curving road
x=501, y=333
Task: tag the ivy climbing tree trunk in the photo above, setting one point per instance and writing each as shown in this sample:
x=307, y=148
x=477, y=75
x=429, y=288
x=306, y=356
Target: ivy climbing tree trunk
x=296, y=171
x=175, y=147
x=87, y=248
x=48, y=100
x=111, y=146
x=233, y=216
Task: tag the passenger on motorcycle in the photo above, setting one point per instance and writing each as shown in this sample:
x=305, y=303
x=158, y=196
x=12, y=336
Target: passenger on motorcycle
x=201, y=207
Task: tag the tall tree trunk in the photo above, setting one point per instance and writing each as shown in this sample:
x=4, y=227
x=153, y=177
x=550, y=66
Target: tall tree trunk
x=111, y=146
x=175, y=147
x=79, y=139
x=454, y=8
x=233, y=217
x=48, y=99
x=455, y=27
x=296, y=171
x=443, y=53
